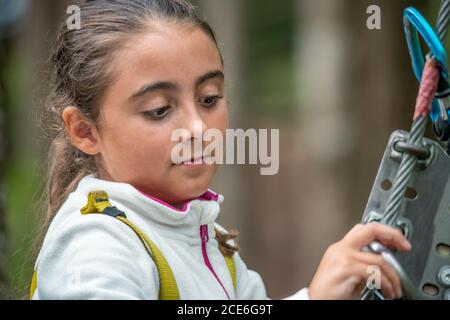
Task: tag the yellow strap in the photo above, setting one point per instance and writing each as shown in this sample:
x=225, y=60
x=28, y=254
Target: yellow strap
x=97, y=202
x=231, y=268
x=168, y=289
x=33, y=285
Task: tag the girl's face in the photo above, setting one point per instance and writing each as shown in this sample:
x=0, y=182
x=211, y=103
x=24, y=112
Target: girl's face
x=165, y=79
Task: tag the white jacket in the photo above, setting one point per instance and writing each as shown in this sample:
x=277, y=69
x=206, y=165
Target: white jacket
x=98, y=257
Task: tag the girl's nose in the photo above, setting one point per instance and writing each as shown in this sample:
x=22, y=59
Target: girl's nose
x=194, y=122
x=194, y=128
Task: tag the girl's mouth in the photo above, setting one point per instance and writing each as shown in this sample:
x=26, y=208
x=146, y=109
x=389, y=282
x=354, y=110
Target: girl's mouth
x=194, y=161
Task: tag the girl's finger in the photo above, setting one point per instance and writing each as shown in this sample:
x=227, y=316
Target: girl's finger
x=362, y=234
x=372, y=259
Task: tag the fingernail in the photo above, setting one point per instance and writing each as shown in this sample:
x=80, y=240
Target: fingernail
x=408, y=245
x=391, y=293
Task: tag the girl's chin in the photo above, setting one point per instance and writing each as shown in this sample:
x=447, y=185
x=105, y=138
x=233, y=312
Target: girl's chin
x=193, y=182
x=194, y=194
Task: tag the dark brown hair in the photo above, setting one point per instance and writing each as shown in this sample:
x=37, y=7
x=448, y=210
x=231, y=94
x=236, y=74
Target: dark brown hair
x=81, y=73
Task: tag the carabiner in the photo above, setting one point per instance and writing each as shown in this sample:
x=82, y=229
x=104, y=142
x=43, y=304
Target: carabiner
x=414, y=24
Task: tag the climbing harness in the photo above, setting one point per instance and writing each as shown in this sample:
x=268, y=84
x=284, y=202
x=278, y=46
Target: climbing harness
x=412, y=190
x=98, y=202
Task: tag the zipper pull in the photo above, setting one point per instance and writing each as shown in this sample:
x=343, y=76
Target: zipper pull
x=204, y=233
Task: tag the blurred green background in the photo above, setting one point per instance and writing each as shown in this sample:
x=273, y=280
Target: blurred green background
x=311, y=68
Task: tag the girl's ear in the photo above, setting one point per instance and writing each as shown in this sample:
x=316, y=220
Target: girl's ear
x=82, y=133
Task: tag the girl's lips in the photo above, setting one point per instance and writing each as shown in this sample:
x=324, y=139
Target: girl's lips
x=193, y=165
x=194, y=162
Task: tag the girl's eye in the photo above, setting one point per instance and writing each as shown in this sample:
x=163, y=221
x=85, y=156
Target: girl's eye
x=158, y=114
x=209, y=101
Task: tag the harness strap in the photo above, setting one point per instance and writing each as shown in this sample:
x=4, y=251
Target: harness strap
x=33, y=285
x=231, y=268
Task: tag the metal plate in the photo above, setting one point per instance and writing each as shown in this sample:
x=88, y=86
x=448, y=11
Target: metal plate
x=425, y=218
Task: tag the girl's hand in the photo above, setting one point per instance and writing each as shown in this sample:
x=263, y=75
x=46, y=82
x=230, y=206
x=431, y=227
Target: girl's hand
x=343, y=271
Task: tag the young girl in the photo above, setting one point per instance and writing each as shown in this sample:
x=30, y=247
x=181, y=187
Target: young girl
x=125, y=221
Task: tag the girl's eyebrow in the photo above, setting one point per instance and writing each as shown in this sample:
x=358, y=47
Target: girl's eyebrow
x=165, y=85
x=209, y=75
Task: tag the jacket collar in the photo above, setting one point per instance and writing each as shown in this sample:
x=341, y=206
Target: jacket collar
x=140, y=206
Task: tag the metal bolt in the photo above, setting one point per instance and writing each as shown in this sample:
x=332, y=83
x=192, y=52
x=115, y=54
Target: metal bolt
x=405, y=227
x=444, y=276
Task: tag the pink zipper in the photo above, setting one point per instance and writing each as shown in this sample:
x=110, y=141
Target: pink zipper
x=205, y=237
